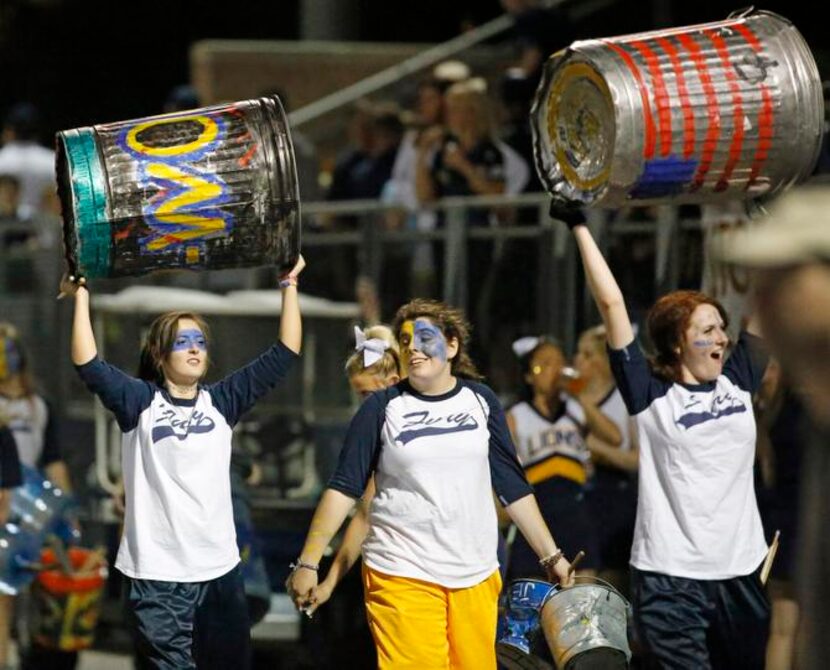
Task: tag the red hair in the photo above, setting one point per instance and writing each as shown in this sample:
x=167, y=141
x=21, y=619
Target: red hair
x=667, y=322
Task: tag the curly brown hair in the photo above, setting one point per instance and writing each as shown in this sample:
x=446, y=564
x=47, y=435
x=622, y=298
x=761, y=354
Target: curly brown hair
x=453, y=324
x=159, y=343
x=666, y=324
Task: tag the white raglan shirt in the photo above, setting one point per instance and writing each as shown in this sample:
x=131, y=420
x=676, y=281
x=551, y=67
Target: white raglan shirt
x=175, y=457
x=436, y=461
x=697, y=515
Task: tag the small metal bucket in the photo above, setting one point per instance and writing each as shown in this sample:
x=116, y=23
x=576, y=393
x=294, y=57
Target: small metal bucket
x=592, y=614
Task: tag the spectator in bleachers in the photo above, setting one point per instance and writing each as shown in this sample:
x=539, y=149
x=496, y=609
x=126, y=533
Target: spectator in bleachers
x=469, y=161
x=400, y=189
x=362, y=170
x=9, y=197
x=429, y=113
x=38, y=231
x=375, y=132
x=463, y=159
x=22, y=157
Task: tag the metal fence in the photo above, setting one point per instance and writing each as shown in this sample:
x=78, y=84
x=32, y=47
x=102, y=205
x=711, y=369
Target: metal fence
x=517, y=274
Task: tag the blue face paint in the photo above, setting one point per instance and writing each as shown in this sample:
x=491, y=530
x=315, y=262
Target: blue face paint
x=703, y=343
x=189, y=339
x=429, y=340
x=11, y=362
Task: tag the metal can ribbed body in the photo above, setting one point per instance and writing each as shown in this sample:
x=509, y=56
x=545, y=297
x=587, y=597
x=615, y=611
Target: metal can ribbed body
x=210, y=188
x=719, y=111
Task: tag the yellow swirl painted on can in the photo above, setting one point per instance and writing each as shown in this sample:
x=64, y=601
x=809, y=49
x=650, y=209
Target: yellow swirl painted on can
x=209, y=132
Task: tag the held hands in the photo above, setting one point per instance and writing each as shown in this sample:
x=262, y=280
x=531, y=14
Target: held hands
x=302, y=586
x=320, y=596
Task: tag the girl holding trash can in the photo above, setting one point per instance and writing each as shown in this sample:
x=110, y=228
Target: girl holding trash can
x=178, y=550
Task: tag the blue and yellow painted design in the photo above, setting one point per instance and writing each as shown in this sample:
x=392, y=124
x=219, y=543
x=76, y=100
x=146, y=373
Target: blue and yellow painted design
x=185, y=209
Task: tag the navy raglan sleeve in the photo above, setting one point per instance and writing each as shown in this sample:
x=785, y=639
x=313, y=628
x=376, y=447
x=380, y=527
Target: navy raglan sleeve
x=10, y=473
x=51, y=442
x=237, y=393
x=361, y=448
x=126, y=397
x=638, y=386
x=506, y=473
x=747, y=363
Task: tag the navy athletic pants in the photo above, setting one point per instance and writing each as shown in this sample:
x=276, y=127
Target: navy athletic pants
x=187, y=625
x=695, y=624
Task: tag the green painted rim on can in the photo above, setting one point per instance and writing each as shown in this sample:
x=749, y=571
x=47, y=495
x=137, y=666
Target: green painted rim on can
x=89, y=201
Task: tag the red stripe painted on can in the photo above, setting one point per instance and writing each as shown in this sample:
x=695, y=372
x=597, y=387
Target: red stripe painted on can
x=766, y=116
x=710, y=141
x=648, y=119
x=737, y=143
x=661, y=94
x=685, y=104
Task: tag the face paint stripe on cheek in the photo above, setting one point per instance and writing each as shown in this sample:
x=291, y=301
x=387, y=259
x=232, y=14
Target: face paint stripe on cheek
x=429, y=340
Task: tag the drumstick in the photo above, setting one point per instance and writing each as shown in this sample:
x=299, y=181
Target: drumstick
x=773, y=548
x=579, y=556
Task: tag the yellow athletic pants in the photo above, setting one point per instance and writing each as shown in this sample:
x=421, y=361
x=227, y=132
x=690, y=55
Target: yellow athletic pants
x=418, y=625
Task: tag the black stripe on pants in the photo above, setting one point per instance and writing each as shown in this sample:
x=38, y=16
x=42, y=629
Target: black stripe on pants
x=187, y=625
x=695, y=624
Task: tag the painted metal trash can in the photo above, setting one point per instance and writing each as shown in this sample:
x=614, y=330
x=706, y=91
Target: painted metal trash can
x=719, y=111
x=205, y=189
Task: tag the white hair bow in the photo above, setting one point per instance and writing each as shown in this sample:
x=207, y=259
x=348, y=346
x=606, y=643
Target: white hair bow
x=372, y=348
x=524, y=345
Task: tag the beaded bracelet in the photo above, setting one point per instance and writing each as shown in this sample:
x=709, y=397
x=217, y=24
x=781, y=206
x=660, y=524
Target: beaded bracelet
x=550, y=561
x=302, y=564
x=288, y=280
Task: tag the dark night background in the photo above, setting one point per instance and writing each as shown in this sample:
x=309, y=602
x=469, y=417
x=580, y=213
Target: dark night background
x=92, y=61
